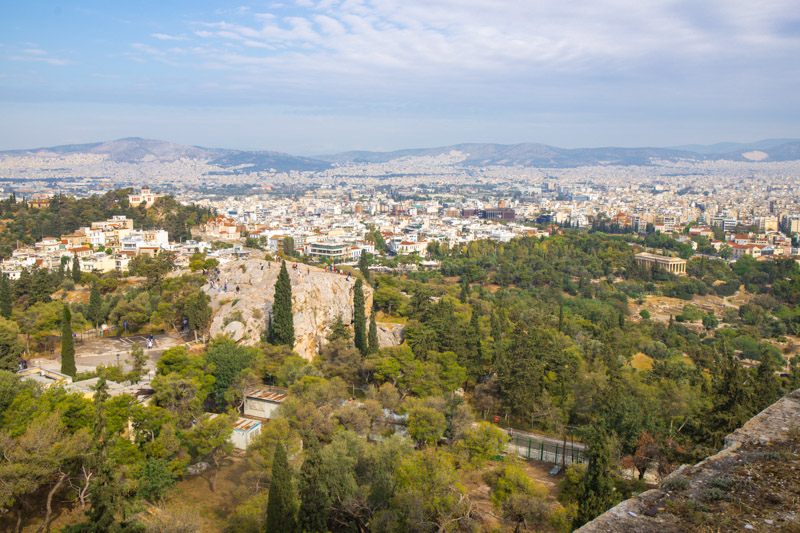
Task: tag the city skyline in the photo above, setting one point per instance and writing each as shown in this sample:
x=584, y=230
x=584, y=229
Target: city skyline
x=321, y=77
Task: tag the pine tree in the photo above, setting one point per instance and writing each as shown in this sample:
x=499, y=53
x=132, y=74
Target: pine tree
x=76, y=269
x=372, y=339
x=5, y=297
x=95, y=308
x=281, y=330
x=67, y=344
x=314, y=498
x=281, y=502
x=338, y=330
x=359, y=318
x=363, y=266
x=40, y=286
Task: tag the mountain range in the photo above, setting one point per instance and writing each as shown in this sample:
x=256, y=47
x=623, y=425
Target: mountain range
x=137, y=150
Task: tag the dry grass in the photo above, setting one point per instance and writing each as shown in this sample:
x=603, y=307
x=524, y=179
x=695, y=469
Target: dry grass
x=479, y=494
x=212, y=508
x=641, y=362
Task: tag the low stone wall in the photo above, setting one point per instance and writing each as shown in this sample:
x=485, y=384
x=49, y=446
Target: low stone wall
x=750, y=485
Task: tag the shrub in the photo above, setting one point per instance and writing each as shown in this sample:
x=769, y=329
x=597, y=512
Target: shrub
x=675, y=483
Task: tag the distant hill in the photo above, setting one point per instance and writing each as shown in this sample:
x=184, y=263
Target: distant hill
x=784, y=152
x=136, y=150
x=525, y=154
x=542, y=155
x=729, y=147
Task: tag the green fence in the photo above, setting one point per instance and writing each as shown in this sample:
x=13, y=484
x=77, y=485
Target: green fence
x=546, y=451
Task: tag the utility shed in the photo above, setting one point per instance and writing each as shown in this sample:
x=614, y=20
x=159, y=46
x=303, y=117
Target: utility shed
x=244, y=431
x=262, y=403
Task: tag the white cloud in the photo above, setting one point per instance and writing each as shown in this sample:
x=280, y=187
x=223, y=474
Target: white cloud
x=37, y=55
x=469, y=36
x=165, y=37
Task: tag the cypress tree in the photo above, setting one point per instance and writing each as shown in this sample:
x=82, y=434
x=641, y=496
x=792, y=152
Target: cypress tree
x=359, y=318
x=473, y=345
x=67, y=344
x=281, y=502
x=363, y=266
x=95, y=305
x=76, y=269
x=767, y=384
x=464, y=292
x=314, y=498
x=597, y=491
x=281, y=329
x=5, y=297
x=372, y=339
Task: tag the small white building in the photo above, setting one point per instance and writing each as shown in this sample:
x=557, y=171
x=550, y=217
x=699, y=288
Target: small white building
x=262, y=403
x=244, y=431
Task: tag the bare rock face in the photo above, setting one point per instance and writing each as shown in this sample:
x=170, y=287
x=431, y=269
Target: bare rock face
x=390, y=334
x=318, y=298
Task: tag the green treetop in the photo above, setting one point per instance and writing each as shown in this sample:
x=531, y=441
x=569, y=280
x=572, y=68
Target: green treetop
x=372, y=339
x=76, y=269
x=95, y=308
x=597, y=492
x=281, y=505
x=5, y=297
x=363, y=265
x=359, y=318
x=67, y=344
x=281, y=328
x=314, y=497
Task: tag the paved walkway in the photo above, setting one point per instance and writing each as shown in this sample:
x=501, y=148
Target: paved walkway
x=89, y=354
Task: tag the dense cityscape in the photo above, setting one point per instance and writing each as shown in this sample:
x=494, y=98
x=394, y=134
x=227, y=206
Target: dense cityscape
x=418, y=266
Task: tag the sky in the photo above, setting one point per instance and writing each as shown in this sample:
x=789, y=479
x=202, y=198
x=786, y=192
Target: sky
x=321, y=76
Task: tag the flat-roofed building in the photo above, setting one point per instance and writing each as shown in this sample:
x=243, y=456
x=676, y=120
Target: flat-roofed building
x=673, y=265
x=262, y=403
x=244, y=431
x=328, y=250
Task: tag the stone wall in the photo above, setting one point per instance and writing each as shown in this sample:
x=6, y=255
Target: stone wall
x=752, y=484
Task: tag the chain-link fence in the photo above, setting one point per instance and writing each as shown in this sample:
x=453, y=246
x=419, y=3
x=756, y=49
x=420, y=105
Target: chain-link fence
x=546, y=451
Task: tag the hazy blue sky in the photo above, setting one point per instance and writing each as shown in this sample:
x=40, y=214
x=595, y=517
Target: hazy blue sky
x=312, y=77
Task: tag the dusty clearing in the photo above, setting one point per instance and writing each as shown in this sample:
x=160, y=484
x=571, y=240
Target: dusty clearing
x=479, y=495
x=661, y=307
x=213, y=508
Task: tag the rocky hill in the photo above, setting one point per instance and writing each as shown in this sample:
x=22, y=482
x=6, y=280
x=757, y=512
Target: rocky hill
x=318, y=298
x=751, y=485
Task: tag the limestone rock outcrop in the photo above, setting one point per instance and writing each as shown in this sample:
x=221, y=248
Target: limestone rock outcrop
x=390, y=334
x=318, y=298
